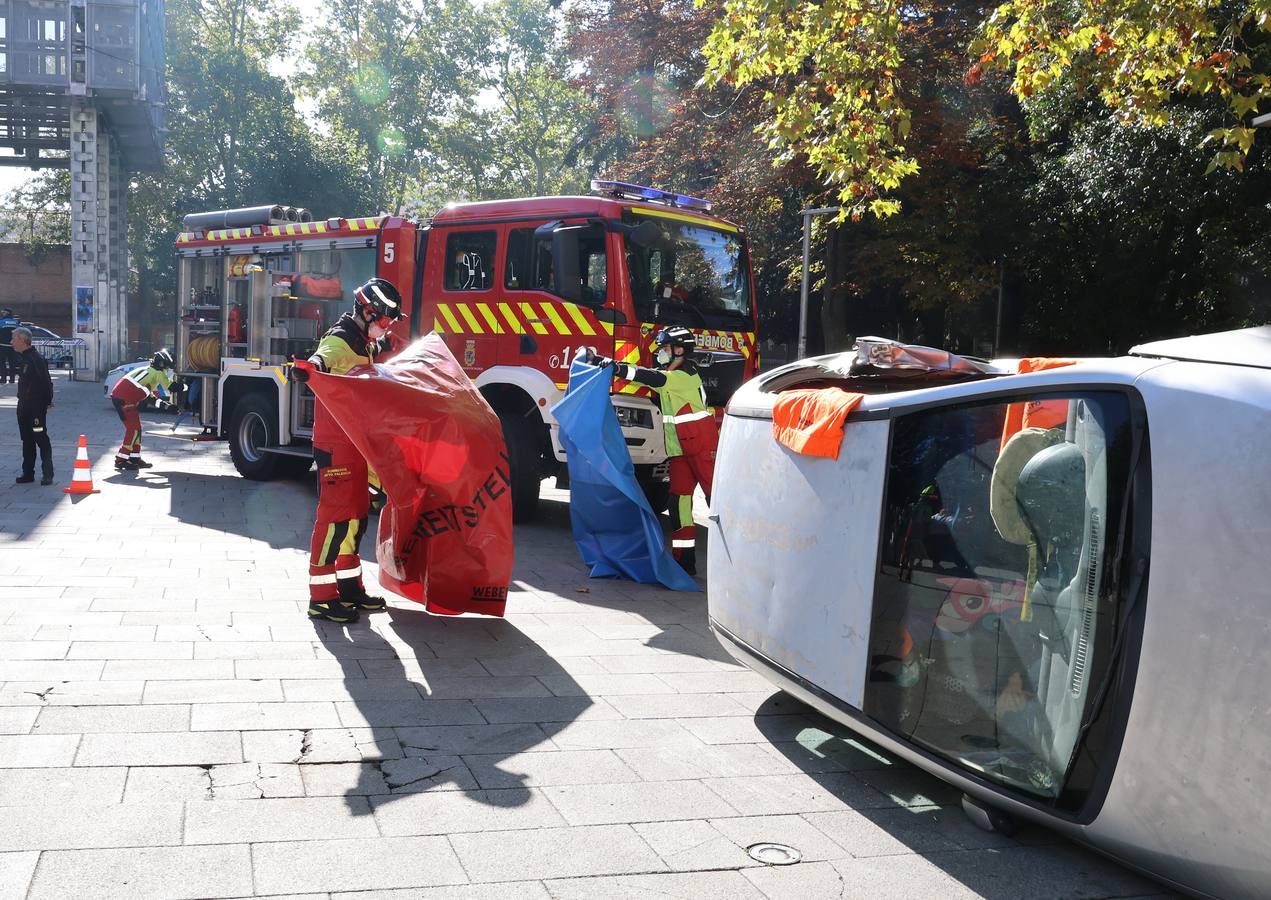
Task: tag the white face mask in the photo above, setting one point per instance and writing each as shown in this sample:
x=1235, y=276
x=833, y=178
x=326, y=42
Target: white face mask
x=664, y=356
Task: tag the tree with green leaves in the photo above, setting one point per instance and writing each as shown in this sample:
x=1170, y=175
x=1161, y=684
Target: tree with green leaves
x=386, y=77
x=235, y=139
x=526, y=134
x=656, y=122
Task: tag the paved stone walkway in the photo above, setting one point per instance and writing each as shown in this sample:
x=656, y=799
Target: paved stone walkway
x=172, y=726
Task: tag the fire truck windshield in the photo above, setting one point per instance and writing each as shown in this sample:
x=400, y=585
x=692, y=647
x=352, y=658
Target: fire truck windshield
x=691, y=275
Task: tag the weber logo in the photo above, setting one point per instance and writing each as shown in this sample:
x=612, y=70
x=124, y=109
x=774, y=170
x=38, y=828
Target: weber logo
x=716, y=341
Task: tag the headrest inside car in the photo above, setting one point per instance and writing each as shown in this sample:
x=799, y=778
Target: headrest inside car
x=1004, y=506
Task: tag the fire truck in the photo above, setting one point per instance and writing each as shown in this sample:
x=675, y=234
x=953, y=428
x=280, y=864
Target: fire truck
x=515, y=287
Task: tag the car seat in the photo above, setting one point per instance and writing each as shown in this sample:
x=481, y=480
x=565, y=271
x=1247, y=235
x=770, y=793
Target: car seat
x=1048, y=492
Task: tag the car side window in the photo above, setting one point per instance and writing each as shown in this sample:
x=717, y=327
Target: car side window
x=994, y=606
x=470, y=260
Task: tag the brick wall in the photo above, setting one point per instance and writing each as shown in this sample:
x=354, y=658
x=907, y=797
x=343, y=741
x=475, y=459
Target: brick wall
x=37, y=293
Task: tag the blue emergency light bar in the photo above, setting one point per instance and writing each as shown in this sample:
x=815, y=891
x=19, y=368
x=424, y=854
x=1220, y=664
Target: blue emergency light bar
x=636, y=192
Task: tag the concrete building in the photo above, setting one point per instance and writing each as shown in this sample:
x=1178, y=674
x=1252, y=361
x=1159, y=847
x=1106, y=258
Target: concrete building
x=82, y=87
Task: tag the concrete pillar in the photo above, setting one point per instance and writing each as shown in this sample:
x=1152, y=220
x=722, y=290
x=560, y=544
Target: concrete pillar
x=98, y=243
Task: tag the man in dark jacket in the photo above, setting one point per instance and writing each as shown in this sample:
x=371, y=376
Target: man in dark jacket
x=35, y=396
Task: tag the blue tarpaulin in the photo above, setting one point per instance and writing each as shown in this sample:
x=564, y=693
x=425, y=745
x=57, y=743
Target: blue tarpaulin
x=617, y=532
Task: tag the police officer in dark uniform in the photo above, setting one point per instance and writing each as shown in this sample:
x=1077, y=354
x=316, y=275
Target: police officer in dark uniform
x=9, y=362
x=35, y=396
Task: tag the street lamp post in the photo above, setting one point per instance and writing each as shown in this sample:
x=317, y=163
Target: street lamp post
x=807, y=215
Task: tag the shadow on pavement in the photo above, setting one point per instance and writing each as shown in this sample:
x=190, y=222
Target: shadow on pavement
x=445, y=708
x=279, y=513
x=917, y=813
x=679, y=617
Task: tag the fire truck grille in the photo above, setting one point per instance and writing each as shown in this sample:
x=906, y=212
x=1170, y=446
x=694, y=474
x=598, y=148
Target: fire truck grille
x=722, y=374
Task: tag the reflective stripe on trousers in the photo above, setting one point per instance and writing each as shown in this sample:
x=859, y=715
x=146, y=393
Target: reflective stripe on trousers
x=689, y=417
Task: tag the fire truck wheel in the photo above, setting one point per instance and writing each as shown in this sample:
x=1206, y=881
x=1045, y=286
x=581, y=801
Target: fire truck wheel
x=253, y=426
x=523, y=451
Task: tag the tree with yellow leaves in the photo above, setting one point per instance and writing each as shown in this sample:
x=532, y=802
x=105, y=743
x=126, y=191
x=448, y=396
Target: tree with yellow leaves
x=833, y=73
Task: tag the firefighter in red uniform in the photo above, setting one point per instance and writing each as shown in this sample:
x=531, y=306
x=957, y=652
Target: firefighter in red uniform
x=689, y=424
x=335, y=568
x=131, y=391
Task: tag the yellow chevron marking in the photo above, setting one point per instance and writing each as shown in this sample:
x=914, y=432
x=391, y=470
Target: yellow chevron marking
x=579, y=319
x=532, y=318
x=608, y=327
x=469, y=318
x=436, y=326
x=514, y=323
x=557, y=321
x=490, y=319
x=446, y=314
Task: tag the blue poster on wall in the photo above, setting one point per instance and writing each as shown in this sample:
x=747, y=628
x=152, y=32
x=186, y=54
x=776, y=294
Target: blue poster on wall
x=83, y=310
x=617, y=532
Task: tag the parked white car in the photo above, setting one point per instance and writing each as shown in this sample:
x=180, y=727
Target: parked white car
x=1046, y=589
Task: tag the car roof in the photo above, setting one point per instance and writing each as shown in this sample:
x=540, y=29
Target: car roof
x=1242, y=347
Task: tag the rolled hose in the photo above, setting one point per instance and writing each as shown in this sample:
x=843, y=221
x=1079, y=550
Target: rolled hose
x=204, y=353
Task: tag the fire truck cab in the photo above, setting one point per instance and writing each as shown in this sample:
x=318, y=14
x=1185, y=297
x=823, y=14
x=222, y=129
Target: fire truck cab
x=515, y=287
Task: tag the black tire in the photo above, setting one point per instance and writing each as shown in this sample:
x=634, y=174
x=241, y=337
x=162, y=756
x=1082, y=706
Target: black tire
x=520, y=434
x=253, y=425
x=657, y=492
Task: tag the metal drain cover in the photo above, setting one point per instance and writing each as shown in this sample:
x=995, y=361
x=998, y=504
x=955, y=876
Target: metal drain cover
x=774, y=854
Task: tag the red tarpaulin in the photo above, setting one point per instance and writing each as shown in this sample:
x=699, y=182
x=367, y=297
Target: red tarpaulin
x=445, y=537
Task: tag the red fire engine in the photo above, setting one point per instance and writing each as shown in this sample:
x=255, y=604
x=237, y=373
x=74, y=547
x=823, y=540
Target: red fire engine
x=515, y=287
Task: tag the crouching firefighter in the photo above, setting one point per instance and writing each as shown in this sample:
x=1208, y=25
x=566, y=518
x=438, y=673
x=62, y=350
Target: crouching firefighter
x=131, y=391
x=689, y=424
x=336, y=592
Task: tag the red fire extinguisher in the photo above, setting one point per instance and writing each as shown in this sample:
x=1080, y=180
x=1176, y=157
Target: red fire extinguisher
x=235, y=322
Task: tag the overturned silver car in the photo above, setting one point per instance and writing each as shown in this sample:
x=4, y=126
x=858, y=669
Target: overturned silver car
x=1048, y=588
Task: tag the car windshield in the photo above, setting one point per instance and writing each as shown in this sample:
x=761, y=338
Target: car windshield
x=691, y=275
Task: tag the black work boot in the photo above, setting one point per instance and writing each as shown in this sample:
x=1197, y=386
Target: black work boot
x=139, y=463
x=333, y=611
x=24, y=479
x=688, y=561
x=359, y=598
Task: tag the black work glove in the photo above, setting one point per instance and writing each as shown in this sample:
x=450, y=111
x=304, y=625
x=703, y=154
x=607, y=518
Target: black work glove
x=300, y=369
x=600, y=362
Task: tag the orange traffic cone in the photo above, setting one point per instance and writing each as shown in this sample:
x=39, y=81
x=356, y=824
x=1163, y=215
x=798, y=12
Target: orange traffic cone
x=82, y=482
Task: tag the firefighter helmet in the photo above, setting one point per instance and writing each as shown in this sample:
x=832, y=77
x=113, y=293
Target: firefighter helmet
x=163, y=360
x=381, y=297
x=670, y=338
x=676, y=336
